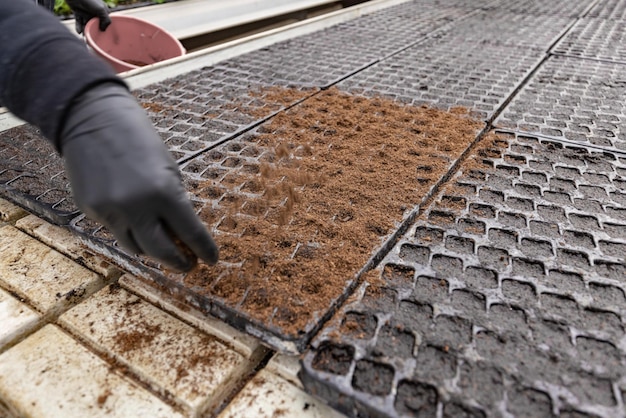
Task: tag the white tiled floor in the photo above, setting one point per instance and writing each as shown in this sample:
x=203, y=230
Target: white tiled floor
x=17, y=319
x=268, y=395
x=9, y=212
x=72, y=345
x=50, y=374
x=196, y=369
x=244, y=344
x=42, y=276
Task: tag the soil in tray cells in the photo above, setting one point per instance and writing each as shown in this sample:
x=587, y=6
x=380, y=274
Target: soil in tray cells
x=335, y=175
x=24, y=150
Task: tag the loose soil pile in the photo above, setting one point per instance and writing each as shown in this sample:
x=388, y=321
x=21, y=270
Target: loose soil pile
x=335, y=177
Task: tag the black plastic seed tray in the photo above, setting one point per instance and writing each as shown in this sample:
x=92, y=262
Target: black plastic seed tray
x=449, y=69
x=593, y=38
x=203, y=108
x=497, y=27
x=448, y=73
x=32, y=175
x=200, y=109
x=212, y=179
x=507, y=295
x=609, y=9
x=319, y=59
x=565, y=8
x=574, y=99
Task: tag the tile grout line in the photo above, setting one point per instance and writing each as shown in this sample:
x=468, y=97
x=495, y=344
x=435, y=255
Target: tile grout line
x=53, y=314
x=122, y=370
x=181, y=318
x=255, y=363
x=245, y=379
x=51, y=317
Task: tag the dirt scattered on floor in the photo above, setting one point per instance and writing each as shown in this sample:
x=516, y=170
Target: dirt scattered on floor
x=206, y=356
x=103, y=397
x=135, y=339
x=335, y=176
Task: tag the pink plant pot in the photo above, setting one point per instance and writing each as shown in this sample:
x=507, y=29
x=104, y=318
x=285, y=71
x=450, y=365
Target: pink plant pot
x=130, y=43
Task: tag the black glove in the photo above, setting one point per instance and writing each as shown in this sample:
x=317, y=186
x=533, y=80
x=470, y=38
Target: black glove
x=123, y=176
x=84, y=10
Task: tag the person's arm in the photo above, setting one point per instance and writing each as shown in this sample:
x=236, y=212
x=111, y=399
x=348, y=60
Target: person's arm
x=47, y=4
x=43, y=66
x=121, y=173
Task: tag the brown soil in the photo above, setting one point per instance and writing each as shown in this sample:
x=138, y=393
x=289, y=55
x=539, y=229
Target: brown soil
x=269, y=99
x=336, y=176
x=279, y=95
x=103, y=398
x=128, y=341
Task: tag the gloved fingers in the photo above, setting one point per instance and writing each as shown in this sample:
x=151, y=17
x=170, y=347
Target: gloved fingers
x=155, y=241
x=81, y=21
x=125, y=239
x=186, y=226
x=105, y=20
x=86, y=9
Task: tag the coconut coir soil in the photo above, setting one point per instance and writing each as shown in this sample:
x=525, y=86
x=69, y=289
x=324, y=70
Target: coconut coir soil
x=335, y=176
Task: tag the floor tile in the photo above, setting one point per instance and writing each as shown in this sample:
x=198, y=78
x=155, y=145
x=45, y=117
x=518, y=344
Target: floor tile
x=268, y=395
x=46, y=279
x=10, y=212
x=16, y=318
x=244, y=344
x=51, y=375
x=286, y=367
x=174, y=358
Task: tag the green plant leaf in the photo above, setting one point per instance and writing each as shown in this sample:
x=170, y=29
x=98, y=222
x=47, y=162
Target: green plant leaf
x=61, y=8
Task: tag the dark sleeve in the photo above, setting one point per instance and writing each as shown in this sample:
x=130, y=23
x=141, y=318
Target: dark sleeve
x=48, y=4
x=43, y=66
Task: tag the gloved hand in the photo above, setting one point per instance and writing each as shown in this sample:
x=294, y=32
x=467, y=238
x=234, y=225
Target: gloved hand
x=84, y=10
x=123, y=176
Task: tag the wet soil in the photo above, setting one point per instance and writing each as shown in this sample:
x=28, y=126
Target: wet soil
x=335, y=176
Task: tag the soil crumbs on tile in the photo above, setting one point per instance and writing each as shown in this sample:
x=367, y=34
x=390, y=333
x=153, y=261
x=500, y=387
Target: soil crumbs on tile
x=333, y=177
